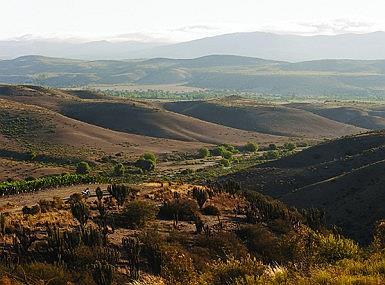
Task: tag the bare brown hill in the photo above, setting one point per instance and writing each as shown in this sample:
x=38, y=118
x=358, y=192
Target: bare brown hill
x=29, y=127
x=338, y=176
x=130, y=116
x=368, y=117
x=264, y=118
x=148, y=120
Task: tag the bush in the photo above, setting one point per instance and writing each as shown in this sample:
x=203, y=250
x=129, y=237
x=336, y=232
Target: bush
x=48, y=273
x=136, y=214
x=182, y=209
x=119, y=169
x=331, y=248
x=211, y=210
x=145, y=165
x=289, y=146
x=273, y=146
x=203, y=152
x=83, y=168
x=177, y=266
x=271, y=154
x=225, y=162
x=227, y=154
x=251, y=147
x=149, y=156
x=221, y=245
x=232, y=271
x=260, y=241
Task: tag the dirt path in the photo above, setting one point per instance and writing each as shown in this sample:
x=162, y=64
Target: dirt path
x=15, y=202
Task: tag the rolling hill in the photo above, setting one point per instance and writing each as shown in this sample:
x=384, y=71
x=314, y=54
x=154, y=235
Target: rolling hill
x=265, y=118
x=338, y=176
x=326, y=78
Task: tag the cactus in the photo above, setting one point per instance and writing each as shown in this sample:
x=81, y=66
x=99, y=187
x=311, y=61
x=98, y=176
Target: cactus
x=99, y=194
x=3, y=222
x=201, y=196
x=133, y=248
x=102, y=273
x=199, y=224
x=120, y=192
x=80, y=212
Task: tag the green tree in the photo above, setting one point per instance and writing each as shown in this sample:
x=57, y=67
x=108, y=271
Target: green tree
x=119, y=169
x=83, y=168
x=149, y=156
x=251, y=147
x=203, y=152
x=289, y=146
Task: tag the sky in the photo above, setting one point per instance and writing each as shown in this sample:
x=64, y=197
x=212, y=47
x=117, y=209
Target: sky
x=182, y=20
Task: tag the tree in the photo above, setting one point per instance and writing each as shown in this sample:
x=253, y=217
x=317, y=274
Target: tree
x=225, y=162
x=203, y=152
x=83, y=168
x=119, y=169
x=149, y=156
x=289, y=146
x=251, y=147
x=137, y=213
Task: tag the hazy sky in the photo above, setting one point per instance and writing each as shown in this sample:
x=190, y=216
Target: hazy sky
x=179, y=20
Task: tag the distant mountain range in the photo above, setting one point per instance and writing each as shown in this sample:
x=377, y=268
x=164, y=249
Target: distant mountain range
x=255, y=44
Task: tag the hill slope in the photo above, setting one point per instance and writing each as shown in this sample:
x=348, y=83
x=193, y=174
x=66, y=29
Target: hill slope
x=339, y=177
x=270, y=119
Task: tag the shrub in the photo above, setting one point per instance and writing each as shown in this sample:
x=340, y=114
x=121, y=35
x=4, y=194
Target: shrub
x=181, y=209
x=227, y=154
x=211, y=210
x=225, y=162
x=137, y=214
x=221, y=245
x=203, y=152
x=233, y=270
x=251, y=147
x=177, y=266
x=119, y=169
x=149, y=156
x=83, y=168
x=271, y=154
x=289, y=146
x=273, y=146
x=331, y=248
x=260, y=241
x=45, y=273
x=218, y=151
x=145, y=165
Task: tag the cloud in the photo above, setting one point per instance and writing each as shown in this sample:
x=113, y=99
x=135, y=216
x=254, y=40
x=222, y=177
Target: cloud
x=338, y=26
x=195, y=28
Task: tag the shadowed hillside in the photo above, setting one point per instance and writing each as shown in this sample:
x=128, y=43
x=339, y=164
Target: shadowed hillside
x=270, y=119
x=339, y=177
